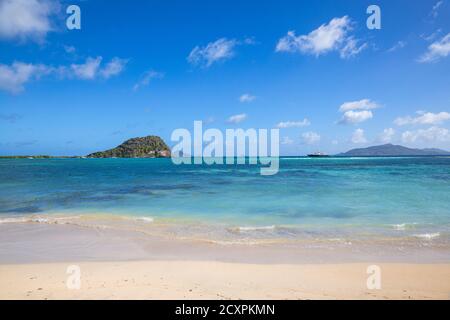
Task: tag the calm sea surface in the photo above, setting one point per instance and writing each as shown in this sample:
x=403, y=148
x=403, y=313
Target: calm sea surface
x=316, y=198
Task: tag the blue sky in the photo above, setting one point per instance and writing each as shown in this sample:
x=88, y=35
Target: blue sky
x=148, y=67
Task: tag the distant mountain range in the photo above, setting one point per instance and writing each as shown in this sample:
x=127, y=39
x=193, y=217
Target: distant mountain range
x=144, y=147
x=392, y=150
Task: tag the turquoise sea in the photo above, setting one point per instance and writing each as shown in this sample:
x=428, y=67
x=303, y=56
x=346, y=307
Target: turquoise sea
x=331, y=198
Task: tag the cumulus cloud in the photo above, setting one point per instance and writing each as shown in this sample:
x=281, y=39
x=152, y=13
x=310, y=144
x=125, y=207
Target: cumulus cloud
x=13, y=77
x=293, y=124
x=219, y=50
x=357, y=111
x=423, y=118
x=387, y=135
x=146, y=78
x=92, y=68
x=87, y=70
x=433, y=134
x=358, y=136
x=310, y=137
x=286, y=140
x=364, y=104
x=114, y=67
x=246, y=97
x=333, y=36
x=237, y=118
x=352, y=117
x=437, y=50
x=26, y=19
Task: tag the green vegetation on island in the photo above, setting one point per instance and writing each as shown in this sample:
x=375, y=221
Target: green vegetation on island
x=145, y=147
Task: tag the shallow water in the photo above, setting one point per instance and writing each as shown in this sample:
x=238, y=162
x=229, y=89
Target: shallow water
x=333, y=199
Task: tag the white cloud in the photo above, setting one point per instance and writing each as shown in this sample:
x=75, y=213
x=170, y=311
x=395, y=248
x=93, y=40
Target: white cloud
x=437, y=50
x=364, y=104
x=351, y=48
x=26, y=19
x=310, y=137
x=432, y=134
x=358, y=136
x=87, y=70
x=92, y=69
x=387, y=135
x=293, y=124
x=357, y=111
x=13, y=77
x=286, y=140
x=423, y=118
x=328, y=37
x=246, y=97
x=397, y=46
x=218, y=50
x=146, y=78
x=114, y=67
x=435, y=10
x=352, y=117
x=237, y=118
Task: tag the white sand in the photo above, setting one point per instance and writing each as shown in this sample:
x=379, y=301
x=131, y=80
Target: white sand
x=219, y=280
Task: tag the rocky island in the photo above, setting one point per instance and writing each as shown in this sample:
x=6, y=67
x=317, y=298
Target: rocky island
x=144, y=147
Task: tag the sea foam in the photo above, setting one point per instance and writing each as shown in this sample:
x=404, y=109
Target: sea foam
x=144, y=219
x=428, y=236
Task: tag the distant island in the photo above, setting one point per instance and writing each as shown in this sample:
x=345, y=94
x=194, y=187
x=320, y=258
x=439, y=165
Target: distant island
x=392, y=150
x=144, y=147
x=155, y=147
x=32, y=157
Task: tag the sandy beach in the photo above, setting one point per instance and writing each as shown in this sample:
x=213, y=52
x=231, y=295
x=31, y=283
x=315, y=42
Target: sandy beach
x=119, y=263
x=219, y=280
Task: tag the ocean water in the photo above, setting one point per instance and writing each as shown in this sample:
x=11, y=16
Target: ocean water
x=332, y=199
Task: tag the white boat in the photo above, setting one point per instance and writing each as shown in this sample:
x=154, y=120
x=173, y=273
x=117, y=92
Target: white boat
x=318, y=155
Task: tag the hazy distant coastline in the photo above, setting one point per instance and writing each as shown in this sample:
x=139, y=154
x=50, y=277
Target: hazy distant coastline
x=155, y=147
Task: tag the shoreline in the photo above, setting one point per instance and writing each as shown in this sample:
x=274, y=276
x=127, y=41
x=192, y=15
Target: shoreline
x=50, y=238
x=118, y=263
